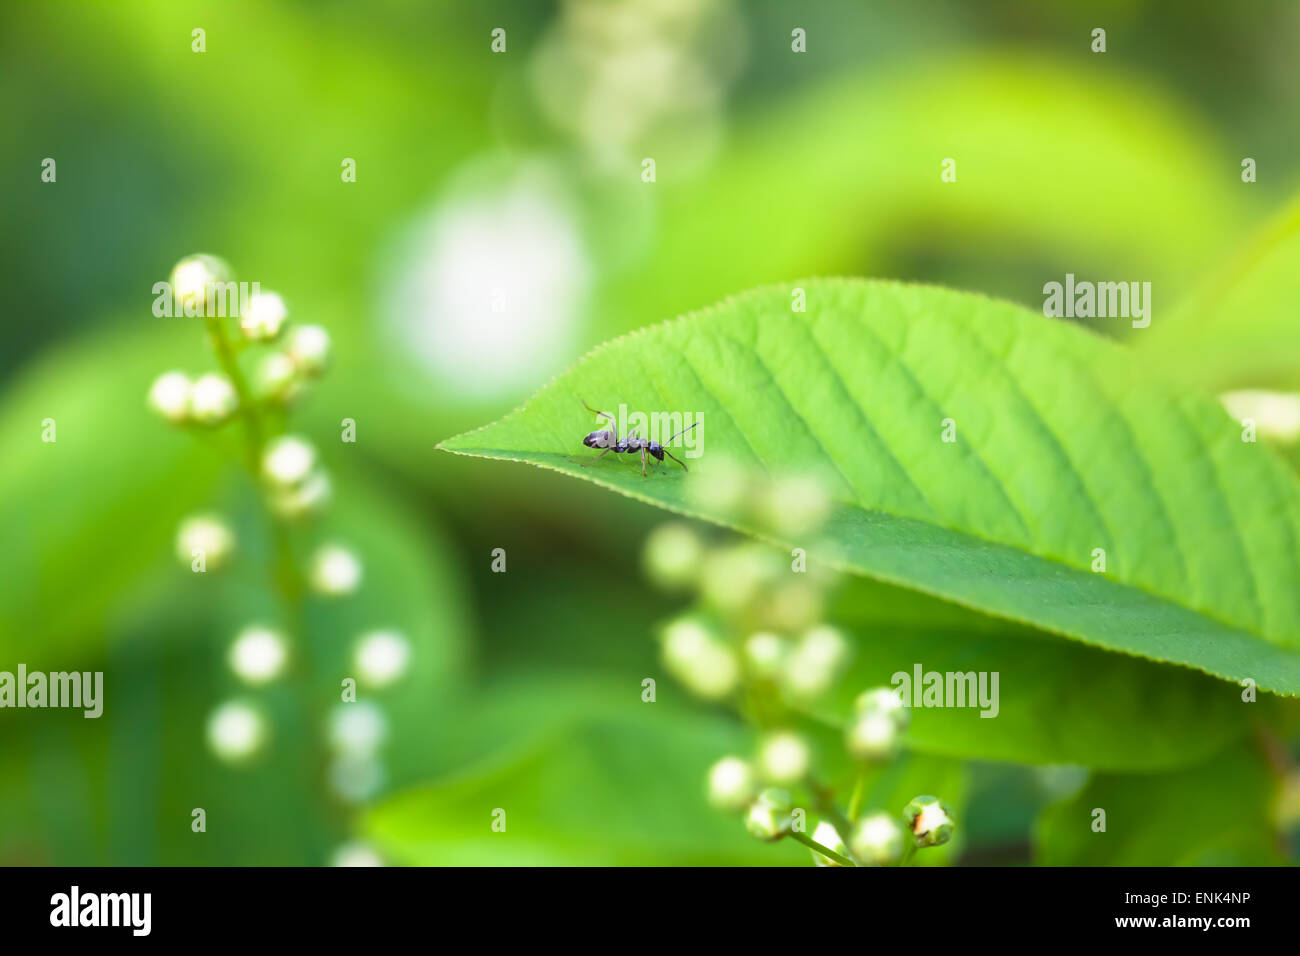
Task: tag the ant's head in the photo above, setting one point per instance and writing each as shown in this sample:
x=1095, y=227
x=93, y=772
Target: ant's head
x=656, y=449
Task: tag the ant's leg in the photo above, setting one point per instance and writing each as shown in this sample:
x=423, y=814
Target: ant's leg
x=642, y=462
x=676, y=459
x=603, y=453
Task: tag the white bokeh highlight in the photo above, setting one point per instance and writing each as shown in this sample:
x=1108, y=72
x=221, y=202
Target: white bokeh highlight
x=491, y=287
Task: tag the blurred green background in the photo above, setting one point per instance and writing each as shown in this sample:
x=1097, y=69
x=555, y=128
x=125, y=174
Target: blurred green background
x=520, y=172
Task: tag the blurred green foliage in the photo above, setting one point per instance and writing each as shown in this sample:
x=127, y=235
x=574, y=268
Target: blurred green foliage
x=1122, y=165
x=1214, y=814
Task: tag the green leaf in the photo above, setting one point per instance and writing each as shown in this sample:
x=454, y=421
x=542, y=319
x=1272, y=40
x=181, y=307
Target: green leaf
x=1064, y=445
x=586, y=775
x=1059, y=702
x=1214, y=814
x=85, y=516
x=1238, y=329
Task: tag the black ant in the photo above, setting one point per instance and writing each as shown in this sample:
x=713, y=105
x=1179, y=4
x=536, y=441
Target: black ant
x=608, y=439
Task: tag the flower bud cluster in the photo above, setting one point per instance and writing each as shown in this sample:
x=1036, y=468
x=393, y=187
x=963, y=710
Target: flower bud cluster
x=299, y=353
x=296, y=485
x=755, y=638
x=755, y=619
x=794, y=504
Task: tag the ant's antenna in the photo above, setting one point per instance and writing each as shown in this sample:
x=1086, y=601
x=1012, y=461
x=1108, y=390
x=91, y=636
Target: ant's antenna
x=674, y=438
x=596, y=411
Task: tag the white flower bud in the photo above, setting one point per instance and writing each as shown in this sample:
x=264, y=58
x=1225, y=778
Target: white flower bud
x=212, y=399
x=208, y=534
x=356, y=778
x=699, y=660
x=308, y=498
x=731, y=783
x=258, y=654
x=817, y=660
x=721, y=486
x=794, y=607
x=829, y=837
x=877, y=840
x=930, y=821
x=382, y=657
x=277, y=377
x=356, y=854
x=309, y=347
x=733, y=577
x=825, y=645
x=784, y=757
x=262, y=317
x=335, y=570
x=765, y=653
x=169, y=396
x=769, y=815
x=192, y=280
x=795, y=505
x=872, y=735
x=236, y=731
x=884, y=700
x=672, y=556
x=357, y=729
x=298, y=487
x=287, y=461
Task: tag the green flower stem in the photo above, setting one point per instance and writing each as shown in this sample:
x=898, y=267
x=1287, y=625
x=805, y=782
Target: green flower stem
x=855, y=801
x=248, y=408
x=289, y=585
x=909, y=850
x=825, y=720
x=760, y=704
x=816, y=847
x=826, y=807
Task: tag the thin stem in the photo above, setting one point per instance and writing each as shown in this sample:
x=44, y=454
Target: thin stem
x=334, y=818
x=287, y=577
x=763, y=706
x=827, y=721
x=827, y=808
x=855, y=801
x=816, y=847
x=909, y=850
x=248, y=408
